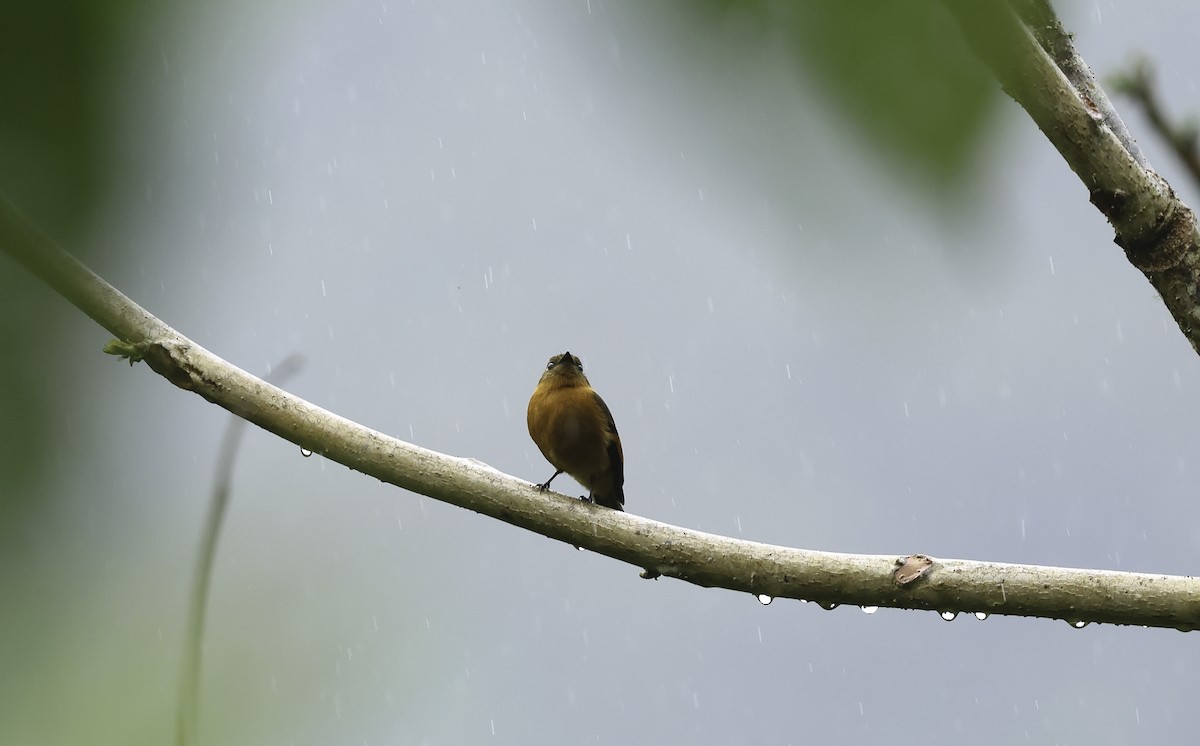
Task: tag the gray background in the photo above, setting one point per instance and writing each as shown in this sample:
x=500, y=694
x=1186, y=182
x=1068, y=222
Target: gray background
x=799, y=344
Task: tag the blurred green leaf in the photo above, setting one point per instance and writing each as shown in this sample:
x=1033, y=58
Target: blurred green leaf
x=899, y=72
x=55, y=59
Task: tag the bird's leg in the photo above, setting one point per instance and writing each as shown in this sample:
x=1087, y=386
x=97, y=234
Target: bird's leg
x=546, y=485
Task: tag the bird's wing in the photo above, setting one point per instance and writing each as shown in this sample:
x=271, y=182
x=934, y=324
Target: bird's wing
x=616, y=457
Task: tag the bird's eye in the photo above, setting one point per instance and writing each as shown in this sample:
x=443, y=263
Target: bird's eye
x=550, y=364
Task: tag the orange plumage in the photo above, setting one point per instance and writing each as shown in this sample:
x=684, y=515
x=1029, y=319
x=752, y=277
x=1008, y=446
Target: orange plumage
x=574, y=430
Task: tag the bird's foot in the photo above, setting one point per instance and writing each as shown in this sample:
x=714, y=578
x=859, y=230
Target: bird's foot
x=546, y=485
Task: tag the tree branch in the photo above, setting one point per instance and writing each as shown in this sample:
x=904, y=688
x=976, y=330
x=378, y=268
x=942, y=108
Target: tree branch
x=914, y=582
x=1038, y=66
x=1042, y=22
x=1138, y=84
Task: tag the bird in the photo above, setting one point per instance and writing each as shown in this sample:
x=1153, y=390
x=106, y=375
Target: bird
x=574, y=430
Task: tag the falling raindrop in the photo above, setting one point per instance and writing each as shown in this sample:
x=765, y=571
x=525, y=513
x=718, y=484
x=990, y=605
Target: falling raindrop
x=981, y=615
x=949, y=616
x=869, y=609
x=764, y=599
x=305, y=452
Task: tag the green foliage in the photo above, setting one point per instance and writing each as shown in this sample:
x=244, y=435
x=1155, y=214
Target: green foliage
x=51, y=58
x=898, y=72
x=55, y=59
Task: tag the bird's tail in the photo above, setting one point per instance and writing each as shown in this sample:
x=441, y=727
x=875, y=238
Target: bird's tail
x=614, y=498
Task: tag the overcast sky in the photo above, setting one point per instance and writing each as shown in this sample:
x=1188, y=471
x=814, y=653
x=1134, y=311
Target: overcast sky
x=427, y=200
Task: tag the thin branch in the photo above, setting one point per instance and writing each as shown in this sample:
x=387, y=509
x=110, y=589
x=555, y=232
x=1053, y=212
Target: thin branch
x=193, y=641
x=1138, y=84
x=1038, y=66
x=914, y=582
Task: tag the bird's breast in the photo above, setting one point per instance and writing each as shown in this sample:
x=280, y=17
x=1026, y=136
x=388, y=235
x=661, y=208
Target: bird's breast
x=567, y=426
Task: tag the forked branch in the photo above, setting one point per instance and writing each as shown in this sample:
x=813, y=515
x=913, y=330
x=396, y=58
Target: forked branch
x=1037, y=64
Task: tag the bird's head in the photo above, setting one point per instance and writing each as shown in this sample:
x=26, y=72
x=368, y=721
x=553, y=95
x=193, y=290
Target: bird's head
x=564, y=370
